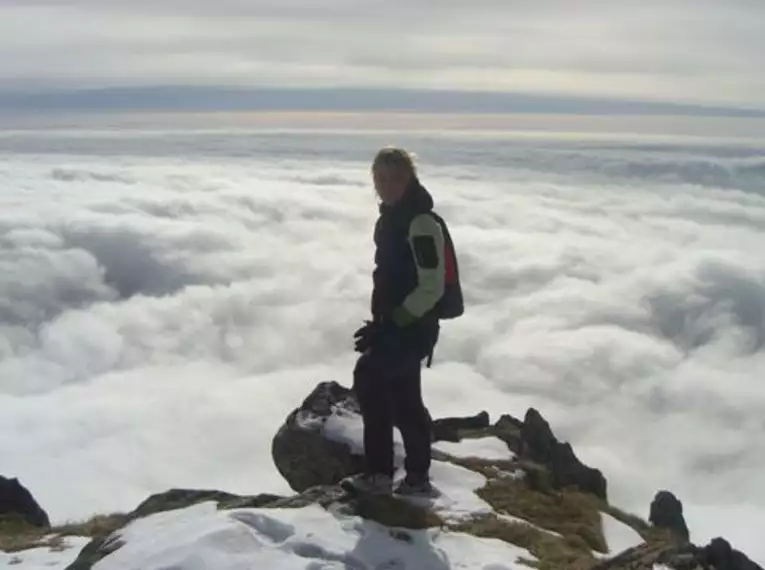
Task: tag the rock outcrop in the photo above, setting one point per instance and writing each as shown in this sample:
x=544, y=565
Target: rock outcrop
x=547, y=507
x=302, y=453
x=302, y=446
x=307, y=455
x=17, y=501
x=667, y=512
x=539, y=444
x=670, y=555
x=720, y=555
x=449, y=429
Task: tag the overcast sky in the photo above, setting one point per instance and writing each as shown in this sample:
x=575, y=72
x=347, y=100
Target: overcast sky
x=691, y=51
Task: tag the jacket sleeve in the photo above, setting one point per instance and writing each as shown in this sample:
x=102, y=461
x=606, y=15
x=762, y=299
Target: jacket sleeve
x=426, y=241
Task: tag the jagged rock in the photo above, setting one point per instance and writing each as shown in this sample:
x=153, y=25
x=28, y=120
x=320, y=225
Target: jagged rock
x=180, y=498
x=307, y=458
x=667, y=512
x=448, y=429
x=540, y=445
x=562, y=530
x=508, y=429
x=98, y=548
x=664, y=553
x=302, y=453
x=667, y=552
x=506, y=421
x=16, y=500
x=722, y=556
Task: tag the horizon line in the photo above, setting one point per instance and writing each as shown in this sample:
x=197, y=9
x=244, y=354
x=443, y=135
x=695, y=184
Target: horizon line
x=196, y=98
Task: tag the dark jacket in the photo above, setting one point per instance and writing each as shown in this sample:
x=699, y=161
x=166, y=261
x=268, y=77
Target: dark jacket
x=395, y=273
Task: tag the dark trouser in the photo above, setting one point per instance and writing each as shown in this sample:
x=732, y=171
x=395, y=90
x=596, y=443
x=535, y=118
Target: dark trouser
x=388, y=384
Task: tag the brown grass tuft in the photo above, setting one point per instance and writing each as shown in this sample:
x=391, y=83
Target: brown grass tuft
x=98, y=526
x=17, y=535
x=552, y=552
x=570, y=513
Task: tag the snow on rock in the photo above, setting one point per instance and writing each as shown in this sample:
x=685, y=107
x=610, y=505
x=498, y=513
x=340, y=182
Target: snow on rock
x=490, y=447
x=202, y=537
x=347, y=427
x=514, y=519
x=456, y=484
x=43, y=557
x=619, y=536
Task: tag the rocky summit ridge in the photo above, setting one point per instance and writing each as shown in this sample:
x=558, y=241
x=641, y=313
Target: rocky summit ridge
x=514, y=496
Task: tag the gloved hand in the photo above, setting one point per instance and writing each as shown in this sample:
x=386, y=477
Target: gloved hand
x=373, y=332
x=362, y=337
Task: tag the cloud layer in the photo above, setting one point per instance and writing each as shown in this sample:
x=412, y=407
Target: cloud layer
x=655, y=51
x=167, y=300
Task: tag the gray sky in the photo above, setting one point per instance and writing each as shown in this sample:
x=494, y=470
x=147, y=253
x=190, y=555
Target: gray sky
x=691, y=51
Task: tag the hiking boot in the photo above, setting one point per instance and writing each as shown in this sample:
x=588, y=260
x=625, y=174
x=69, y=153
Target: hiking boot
x=374, y=483
x=416, y=486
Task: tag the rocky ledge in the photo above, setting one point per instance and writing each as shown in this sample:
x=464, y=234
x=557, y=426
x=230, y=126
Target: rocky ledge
x=513, y=497
x=17, y=502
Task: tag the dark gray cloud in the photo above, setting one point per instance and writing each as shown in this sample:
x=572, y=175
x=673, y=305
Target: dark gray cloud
x=684, y=51
x=200, y=98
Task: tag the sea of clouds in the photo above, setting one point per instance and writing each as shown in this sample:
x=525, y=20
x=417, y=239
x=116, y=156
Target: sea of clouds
x=167, y=298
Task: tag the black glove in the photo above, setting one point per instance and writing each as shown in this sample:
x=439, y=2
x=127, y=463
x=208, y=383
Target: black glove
x=372, y=333
x=362, y=337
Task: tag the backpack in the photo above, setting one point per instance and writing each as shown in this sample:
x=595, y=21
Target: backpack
x=451, y=305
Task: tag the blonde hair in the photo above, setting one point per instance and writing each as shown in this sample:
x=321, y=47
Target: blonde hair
x=397, y=157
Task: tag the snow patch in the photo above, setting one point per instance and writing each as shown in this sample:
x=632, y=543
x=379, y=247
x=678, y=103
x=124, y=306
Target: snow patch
x=514, y=519
x=516, y=474
x=491, y=448
x=347, y=427
x=456, y=484
x=201, y=537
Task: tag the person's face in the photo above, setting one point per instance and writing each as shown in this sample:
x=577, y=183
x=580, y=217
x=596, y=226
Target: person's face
x=390, y=183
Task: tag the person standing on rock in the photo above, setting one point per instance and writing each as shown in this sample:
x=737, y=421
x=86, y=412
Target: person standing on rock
x=415, y=285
